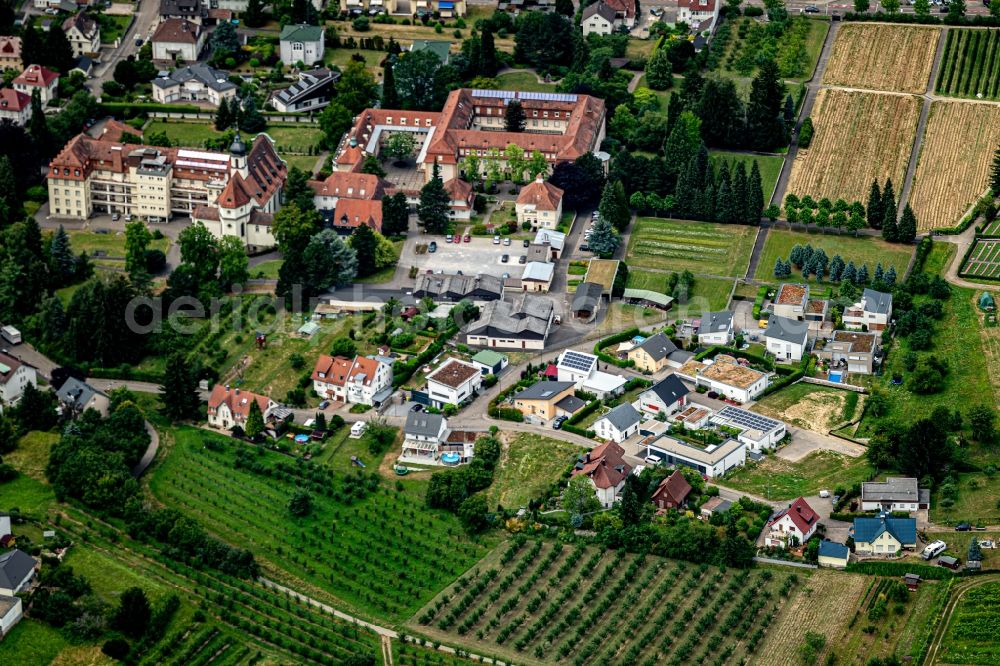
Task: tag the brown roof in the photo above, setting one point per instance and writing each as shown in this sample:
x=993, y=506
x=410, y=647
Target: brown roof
x=235, y=194
x=860, y=342
x=177, y=31
x=37, y=76
x=454, y=373
x=727, y=371
x=675, y=487
x=86, y=25
x=698, y=5
x=113, y=130
x=364, y=366
x=210, y=213
x=237, y=400
x=12, y=363
x=626, y=7
x=816, y=307
x=543, y=195
x=791, y=294
x=335, y=370
x=355, y=212
x=800, y=513
x=605, y=465
x=458, y=190
x=10, y=47
x=351, y=185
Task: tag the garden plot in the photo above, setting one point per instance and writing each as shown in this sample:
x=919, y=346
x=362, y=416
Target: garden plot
x=545, y=602
x=699, y=247
x=895, y=58
x=970, y=66
x=955, y=159
x=859, y=137
x=984, y=260
x=973, y=635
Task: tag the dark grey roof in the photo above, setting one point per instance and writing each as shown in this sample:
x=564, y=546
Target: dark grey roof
x=877, y=301
x=787, y=330
x=14, y=568
x=183, y=8
x=605, y=12
x=423, y=424
x=716, y=322
x=894, y=488
x=670, y=389
x=309, y=81
x=215, y=79
x=543, y=390
x=76, y=393
x=571, y=404
x=623, y=417
x=680, y=356
x=458, y=286
x=529, y=317
x=587, y=296
x=658, y=346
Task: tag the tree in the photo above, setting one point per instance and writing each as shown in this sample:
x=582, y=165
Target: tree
x=579, y=497
x=683, y=143
x=659, y=70
x=488, y=54
x=234, y=266
x=956, y=10
x=565, y=7
x=415, y=76
x=514, y=118
x=297, y=190
x=133, y=613
x=875, y=210
x=224, y=41
x=223, y=116
x=472, y=512
x=38, y=125
x=975, y=552
x=907, y=229
x=179, y=392
x=604, y=240
x=395, y=215
x=251, y=120
x=390, y=98
x=400, y=146
x=982, y=423
x=614, y=205
x=62, y=263
x=254, y=15
x=293, y=228
x=357, y=89
x=543, y=40
x=327, y=262
x=765, y=126
x=300, y=504
x=255, y=421
x=922, y=8
x=536, y=165
x=890, y=230
x=334, y=121
x=862, y=6
x=137, y=240
x=9, y=201
x=364, y=243
x=200, y=251
x=891, y=6
x=432, y=211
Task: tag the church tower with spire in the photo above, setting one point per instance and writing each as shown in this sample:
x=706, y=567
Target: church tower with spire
x=238, y=156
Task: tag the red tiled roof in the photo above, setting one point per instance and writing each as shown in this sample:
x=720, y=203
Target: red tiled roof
x=237, y=400
x=12, y=363
x=458, y=190
x=605, y=465
x=351, y=185
x=697, y=5
x=543, y=195
x=800, y=513
x=335, y=369
x=355, y=212
x=364, y=366
x=675, y=487
x=113, y=130
x=10, y=47
x=37, y=76
x=12, y=100
x=626, y=7
x=235, y=194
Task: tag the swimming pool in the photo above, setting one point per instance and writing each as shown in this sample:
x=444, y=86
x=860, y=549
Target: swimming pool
x=450, y=458
x=836, y=376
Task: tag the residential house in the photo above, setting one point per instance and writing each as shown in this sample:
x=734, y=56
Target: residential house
x=10, y=614
x=14, y=106
x=443, y=8
x=816, y=311
x=490, y=362
x=522, y=323
x=727, y=377
x=17, y=568
x=190, y=10
x=229, y=407
x=791, y=526
x=42, y=79
x=76, y=397
x=791, y=301
x=302, y=43
x=832, y=554
x=715, y=505
x=361, y=380
x=618, y=424
x=423, y=435
x=697, y=12
x=625, y=12
x=581, y=369
x=667, y=396
x=693, y=417
x=178, y=40
x=757, y=431
x=854, y=350
x=349, y=214
x=454, y=383
x=711, y=461
x=569, y=406
x=894, y=494
x=884, y=535
x=538, y=401
x=873, y=311
x=83, y=33
x=587, y=301
x=539, y=204
x=312, y=92
x=656, y=353
x=787, y=339
x=716, y=328
x=598, y=19
x=461, y=199
x=15, y=376
x=10, y=53
x=195, y=83
x=607, y=470
x=673, y=491
x=477, y=288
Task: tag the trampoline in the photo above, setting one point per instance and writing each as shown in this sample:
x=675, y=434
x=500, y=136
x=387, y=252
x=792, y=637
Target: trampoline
x=302, y=439
x=450, y=458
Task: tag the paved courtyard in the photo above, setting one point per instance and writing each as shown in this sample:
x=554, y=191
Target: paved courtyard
x=479, y=255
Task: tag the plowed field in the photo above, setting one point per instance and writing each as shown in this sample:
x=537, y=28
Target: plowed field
x=897, y=58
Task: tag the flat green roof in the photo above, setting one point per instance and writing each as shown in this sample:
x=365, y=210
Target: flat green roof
x=489, y=357
x=648, y=295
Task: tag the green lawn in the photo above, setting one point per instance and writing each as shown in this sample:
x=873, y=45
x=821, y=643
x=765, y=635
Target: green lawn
x=524, y=81
x=710, y=293
x=112, y=26
x=700, y=247
x=31, y=642
x=305, y=162
x=110, y=577
x=111, y=244
x=529, y=465
x=287, y=138
x=777, y=479
x=861, y=250
x=66, y=293
x=662, y=95
x=267, y=269
x=770, y=167
x=387, y=273
x=32, y=454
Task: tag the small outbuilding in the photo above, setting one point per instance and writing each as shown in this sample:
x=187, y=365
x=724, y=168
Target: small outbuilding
x=833, y=554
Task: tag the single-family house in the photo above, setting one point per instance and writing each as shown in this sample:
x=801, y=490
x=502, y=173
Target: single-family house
x=361, y=380
x=787, y=339
x=522, y=323
x=10, y=53
x=714, y=505
x=716, y=328
x=673, y=491
x=607, y=470
x=697, y=12
x=693, y=417
x=757, y=431
x=15, y=376
x=856, y=351
x=313, y=91
x=539, y=204
x=537, y=276
x=178, y=39
x=461, y=199
x=454, y=383
x=83, y=33
x=302, y=43
x=10, y=614
x=625, y=12
x=490, y=362
x=569, y=406
x=42, y=79
x=581, y=369
x=667, y=396
x=587, y=301
x=229, y=407
x=873, y=311
x=834, y=555
x=598, y=19
x=791, y=526
x=656, y=353
x=17, y=568
x=75, y=397
x=726, y=376
x=791, y=300
x=195, y=83
x=423, y=434
x=618, y=424
x=816, y=311
x=713, y=460
x=896, y=493
x=884, y=535
x=538, y=401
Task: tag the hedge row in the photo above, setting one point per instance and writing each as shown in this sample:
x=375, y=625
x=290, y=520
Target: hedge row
x=758, y=302
x=590, y=408
x=403, y=371
x=613, y=340
x=589, y=434
x=976, y=20
x=899, y=569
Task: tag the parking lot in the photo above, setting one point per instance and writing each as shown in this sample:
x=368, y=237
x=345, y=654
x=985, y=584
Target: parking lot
x=479, y=255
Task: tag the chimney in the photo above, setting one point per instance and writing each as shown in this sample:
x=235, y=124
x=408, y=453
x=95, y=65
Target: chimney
x=237, y=391
x=227, y=388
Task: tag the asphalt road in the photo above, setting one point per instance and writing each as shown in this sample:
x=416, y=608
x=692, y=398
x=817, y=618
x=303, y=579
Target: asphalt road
x=145, y=22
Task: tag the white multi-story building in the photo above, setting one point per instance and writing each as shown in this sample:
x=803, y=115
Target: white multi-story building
x=83, y=33
x=195, y=83
x=453, y=383
x=302, y=43
x=873, y=311
x=178, y=39
x=15, y=376
x=42, y=79
x=797, y=522
x=361, y=380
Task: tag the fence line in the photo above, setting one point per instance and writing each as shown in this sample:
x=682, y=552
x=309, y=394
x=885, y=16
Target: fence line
x=785, y=563
x=823, y=382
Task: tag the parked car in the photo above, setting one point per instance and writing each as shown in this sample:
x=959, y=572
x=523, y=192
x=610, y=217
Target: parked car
x=712, y=394
x=432, y=247
x=505, y=258
x=963, y=527
x=558, y=423
x=987, y=543
x=467, y=238
x=651, y=460
x=811, y=9
x=523, y=259
x=496, y=240
x=526, y=243
x=506, y=241
x=933, y=549
x=324, y=404
x=447, y=239
x=417, y=408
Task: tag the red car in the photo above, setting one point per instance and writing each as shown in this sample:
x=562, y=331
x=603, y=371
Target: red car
x=468, y=238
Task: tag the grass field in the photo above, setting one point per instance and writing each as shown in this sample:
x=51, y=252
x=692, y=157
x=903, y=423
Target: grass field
x=859, y=137
x=797, y=51
x=267, y=269
x=970, y=65
x=111, y=246
x=305, y=162
x=526, y=81
x=287, y=138
x=545, y=602
x=32, y=454
x=700, y=247
x=984, y=260
x=32, y=642
x=976, y=502
x=529, y=465
x=770, y=168
x=710, y=294
x=808, y=406
x=882, y=57
x=861, y=250
x=954, y=165
x=384, y=555
x=777, y=479
x=971, y=637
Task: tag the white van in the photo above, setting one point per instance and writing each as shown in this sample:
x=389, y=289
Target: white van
x=933, y=549
x=824, y=493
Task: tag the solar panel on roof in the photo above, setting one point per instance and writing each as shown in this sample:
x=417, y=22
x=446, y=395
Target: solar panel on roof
x=746, y=419
x=548, y=97
x=577, y=361
x=493, y=94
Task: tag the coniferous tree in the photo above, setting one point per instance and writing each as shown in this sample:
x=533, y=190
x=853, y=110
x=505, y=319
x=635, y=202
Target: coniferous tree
x=364, y=243
x=795, y=256
x=223, y=116
x=62, y=263
x=38, y=126
x=254, y=14
x=995, y=171
x=907, y=230
x=515, y=119
x=488, y=58
x=874, y=211
x=890, y=277
x=879, y=272
x=390, y=100
x=755, y=196
x=836, y=268
x=255, y=421
x=779, y=268
x=727, y=210
x=395, y=215
x=565, y=7
x=890, y=230
x=179, y=392
x=766, y=128
x=434, y=204
x=724, y=176
x=10, y=204
x=741, y=193
x=850, y=273
x=862, y=275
